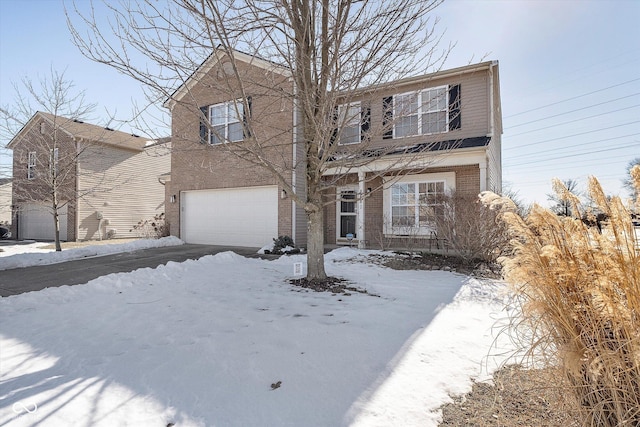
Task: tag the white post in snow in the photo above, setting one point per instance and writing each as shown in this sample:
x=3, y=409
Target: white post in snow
x=360, y=211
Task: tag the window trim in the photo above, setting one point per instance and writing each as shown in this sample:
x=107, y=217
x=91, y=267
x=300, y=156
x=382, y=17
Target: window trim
x=419, y=112
x=352, y=122
x=31, y=165
x=210, y=134
x=449, y=179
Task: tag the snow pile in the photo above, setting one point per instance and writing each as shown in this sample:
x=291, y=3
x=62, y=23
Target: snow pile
x=226, y=340
x=33, y=254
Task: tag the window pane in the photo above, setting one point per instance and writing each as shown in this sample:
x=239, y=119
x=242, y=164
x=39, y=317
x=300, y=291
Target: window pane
x=407, y=126
x=406, y=104
x=217, y=134
x=217, y=114
x=235, y=132
x=434, y=122
x=350, y=135
x=235, y=112
x=403, y=216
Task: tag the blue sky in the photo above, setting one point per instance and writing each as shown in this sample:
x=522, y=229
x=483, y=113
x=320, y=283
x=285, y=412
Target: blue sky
x=569, y=71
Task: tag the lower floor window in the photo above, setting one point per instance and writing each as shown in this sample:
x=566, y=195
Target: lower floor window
x=416, y=206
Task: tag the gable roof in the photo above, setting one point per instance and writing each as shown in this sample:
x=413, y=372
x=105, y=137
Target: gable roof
x=80, y=130
x=217, y=56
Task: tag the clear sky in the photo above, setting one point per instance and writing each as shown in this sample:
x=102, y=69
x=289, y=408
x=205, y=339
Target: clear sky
x=569, y=71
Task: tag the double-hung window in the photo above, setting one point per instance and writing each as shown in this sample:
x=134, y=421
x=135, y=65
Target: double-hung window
x=350, y=118
x=31, y=165
x=226, y=122
x=416, y=206
x=421, y=113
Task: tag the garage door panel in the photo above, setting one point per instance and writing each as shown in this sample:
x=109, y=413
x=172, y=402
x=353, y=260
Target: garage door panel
x=245, y=216
x=36, y=222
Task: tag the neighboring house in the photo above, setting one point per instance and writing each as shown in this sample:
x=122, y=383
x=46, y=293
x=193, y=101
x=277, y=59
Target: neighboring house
x=448, y=124
x=106, y=180
x=5, y=200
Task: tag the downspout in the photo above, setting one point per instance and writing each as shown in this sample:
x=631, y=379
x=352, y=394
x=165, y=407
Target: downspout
x=486, y=183
x=294, y=175
x=76, y=202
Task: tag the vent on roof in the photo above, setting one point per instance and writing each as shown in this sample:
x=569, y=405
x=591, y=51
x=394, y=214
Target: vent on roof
x=135, y=136
x=78, y=121
x=107, y=128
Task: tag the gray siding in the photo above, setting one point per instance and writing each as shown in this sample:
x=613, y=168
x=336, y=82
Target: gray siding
x=121, y=184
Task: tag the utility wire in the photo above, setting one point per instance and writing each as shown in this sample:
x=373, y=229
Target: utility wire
x=570, y=136
x=579, y=154
x=577, y=109
x=572, y=98
x=593, y=162
x=576, y=145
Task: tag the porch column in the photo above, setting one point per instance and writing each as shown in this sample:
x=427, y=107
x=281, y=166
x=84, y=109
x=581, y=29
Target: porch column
x=483, y=176
x=360, y=210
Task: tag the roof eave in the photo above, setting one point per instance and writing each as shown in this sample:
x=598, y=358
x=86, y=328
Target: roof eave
x=210, y=62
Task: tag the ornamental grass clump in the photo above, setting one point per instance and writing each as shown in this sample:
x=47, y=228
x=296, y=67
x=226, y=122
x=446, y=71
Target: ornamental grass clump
x=580, y=293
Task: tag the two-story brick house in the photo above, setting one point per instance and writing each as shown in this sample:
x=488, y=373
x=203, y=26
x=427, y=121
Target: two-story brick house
x=105, y=180
x=437, y=133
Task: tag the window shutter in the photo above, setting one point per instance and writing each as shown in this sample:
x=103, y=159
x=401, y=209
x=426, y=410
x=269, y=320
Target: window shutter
x=335, y=118
x=204, y=117
x=365, y=123
x=246, y=115
x=455, y=119
x=387, y=118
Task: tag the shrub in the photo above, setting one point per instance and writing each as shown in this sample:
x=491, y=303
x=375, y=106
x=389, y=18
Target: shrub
x=152, y=229
x=471, y=228
x=580, y=291
x=283, y=245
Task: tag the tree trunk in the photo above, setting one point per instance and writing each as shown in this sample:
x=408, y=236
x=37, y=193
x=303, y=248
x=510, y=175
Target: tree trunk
x=315, y=245
x=56, y=223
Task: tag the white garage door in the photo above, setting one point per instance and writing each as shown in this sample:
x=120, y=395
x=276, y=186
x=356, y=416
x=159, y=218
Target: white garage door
x=245, y=216
x=36, y=222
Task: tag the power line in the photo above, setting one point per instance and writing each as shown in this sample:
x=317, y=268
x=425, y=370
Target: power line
x=572, y=98
x=579, y=154
x=577, y=145
x=542, y=167
x=570, y=136
x=573, y=111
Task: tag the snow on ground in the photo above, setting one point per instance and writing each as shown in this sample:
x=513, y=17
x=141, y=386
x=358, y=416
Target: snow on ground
x=227, y=341
x=26, y=255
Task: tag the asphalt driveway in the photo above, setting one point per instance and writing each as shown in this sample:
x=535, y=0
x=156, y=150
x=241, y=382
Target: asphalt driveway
x=27, y=279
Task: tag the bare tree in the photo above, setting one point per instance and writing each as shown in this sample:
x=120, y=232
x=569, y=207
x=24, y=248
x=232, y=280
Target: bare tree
x=50, y=157
x=331, y=50
x=628, y=181
x=562, y=206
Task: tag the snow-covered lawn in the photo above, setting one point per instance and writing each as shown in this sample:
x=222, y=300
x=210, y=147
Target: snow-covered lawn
x=227, y=341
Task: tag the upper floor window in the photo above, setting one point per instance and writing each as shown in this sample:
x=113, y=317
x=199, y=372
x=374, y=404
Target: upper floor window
x=226, y=122
x=31, y=165
x=421, y=113
x=350, y=117
x=429, y=111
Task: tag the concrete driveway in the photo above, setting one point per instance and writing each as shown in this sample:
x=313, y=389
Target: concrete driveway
x=20, y=280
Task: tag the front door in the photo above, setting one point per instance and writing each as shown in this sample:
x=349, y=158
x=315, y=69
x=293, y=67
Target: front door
x=346, y=213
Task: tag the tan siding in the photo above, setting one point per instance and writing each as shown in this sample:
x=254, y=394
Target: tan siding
x=5, y=203
x=474, y=110
x=122, y=185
